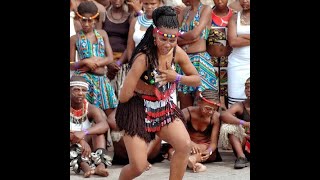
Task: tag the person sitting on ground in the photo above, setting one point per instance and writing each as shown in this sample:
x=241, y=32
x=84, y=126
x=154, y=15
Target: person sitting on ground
x=87, y=124
x=120, y=152
x=236, y=129
x=203, y=125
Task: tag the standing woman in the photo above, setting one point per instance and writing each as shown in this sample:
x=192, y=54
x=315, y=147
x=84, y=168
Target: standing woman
x=239, y=59
x=217, y=45
x=117, y=25
x=145, y=108
x=194, y=25
x=140, y=24
x=95, y=53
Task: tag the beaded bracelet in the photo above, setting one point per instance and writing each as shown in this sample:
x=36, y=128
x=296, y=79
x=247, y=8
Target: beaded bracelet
x=178, y=78
x=119, y=63
x=86, y=132
x=139, y=13
x=210, y=150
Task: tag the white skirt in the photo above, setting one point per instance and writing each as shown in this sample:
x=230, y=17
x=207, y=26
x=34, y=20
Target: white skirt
x=238, y=73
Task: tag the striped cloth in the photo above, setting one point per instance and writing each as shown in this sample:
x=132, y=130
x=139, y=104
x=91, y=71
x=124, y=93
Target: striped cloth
x=202, y=62
x=100, y=93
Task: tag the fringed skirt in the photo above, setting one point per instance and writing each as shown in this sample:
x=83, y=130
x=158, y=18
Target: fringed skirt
x=227, y=129
x=145, y=115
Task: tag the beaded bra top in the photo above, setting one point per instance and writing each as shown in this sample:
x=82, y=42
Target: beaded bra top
x=148, y=77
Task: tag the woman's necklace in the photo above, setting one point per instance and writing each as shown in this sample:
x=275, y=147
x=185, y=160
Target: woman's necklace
x=144, y=21
x=116, y=18
x=244, y=19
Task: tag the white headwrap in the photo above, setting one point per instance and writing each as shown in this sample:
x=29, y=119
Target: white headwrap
x=79, y=83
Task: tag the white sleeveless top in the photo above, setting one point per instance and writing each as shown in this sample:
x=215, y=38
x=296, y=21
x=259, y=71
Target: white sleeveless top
x=242, y=53
x=138, y=34
x=85, y=123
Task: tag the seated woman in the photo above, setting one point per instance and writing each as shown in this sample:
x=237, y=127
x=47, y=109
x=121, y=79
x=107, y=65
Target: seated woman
x=120, y=153
x=236, y=129
x=203, y=124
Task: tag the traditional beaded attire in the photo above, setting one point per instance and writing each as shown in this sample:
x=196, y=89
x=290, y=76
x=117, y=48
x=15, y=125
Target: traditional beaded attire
x=200, y=60
x=79, y=121
x=144, y=115
x=100, y=93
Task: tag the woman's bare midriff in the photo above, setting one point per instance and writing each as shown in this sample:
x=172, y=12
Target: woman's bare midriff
x=199, y=46
x=218, y=50
x=144, y=88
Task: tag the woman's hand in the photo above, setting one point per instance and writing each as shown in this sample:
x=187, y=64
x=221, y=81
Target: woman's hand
x=86, y=150
x=205, y=155
x=90, y=63
x=84, y=69
x=135, y=4
x=166, y=76
x=195, y=149
x=178, y=9
x=113, y=69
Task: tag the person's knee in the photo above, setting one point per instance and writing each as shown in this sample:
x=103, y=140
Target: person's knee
x=138, y=168
x=184, y=146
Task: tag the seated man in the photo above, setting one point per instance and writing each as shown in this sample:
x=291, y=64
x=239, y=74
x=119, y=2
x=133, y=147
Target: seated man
x=87, y=126
x=236, y=129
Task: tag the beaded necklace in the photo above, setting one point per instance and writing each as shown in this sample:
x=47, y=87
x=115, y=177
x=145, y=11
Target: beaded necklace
x=144, y=21
x=78, y=116
x=244, y=19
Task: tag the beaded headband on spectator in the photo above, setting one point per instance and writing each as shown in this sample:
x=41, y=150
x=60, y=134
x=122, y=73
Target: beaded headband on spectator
x=79, y=83
x=165, y=35
x=92, y=17
x=208, y=101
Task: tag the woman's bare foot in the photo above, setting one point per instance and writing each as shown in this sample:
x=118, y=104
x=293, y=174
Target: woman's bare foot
x=88, y=173
x=192, y=161
x=86, y=169
x=100, y=170
x=198, y=167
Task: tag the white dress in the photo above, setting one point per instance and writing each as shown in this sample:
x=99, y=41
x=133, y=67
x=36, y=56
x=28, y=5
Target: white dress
x=238, y=67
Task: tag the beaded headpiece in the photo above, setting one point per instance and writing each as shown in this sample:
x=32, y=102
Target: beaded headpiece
x=165, y=35
x=92, y=17
x=208, y=101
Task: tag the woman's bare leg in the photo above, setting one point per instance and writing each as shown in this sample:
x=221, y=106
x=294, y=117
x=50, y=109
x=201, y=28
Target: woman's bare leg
x=237, y=146
x=137, y=152
x=177, y=136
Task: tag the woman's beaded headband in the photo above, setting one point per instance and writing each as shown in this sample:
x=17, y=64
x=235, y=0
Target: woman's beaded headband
x=92, y=17
x=165, y=35
x=208, y=101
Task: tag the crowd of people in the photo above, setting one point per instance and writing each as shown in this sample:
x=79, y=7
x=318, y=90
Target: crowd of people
x=153, y=80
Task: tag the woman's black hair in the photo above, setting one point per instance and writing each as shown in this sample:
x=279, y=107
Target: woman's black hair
x=164, y=16
x=211, y=95
x=87, y=7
